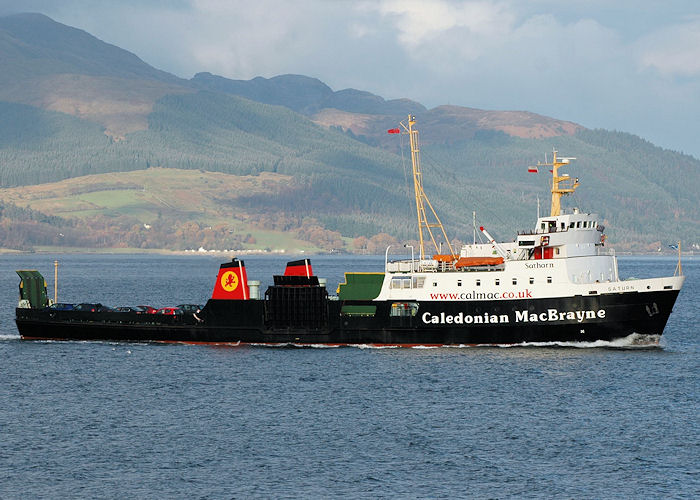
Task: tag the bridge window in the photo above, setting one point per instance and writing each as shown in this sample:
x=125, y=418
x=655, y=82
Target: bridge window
x=401, y=282
x=571, y=226
x=578, y=224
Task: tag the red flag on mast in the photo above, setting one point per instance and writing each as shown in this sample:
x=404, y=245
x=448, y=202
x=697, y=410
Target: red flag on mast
x=393, y=131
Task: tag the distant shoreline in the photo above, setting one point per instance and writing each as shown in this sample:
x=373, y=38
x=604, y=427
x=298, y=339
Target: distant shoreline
x=153, y=251
x=235, y=253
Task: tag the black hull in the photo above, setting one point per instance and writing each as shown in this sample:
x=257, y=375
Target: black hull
x=577, y=319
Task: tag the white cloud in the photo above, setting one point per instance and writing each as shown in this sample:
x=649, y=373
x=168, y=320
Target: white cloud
x=418, y=21
x=466, y=29
x=673, y=50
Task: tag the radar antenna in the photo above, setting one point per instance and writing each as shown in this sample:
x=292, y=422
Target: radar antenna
x=561, y=184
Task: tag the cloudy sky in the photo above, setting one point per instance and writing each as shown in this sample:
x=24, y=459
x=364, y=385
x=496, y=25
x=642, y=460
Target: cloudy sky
x=630, y=65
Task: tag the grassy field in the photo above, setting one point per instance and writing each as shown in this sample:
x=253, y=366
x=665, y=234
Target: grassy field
x=206, y=197
x=146, y=193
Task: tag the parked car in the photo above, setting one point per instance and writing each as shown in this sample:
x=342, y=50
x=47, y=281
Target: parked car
x=88, y=307
x=170, y=311
x=132, y=309
x=148, y=309
x=61, y=306
x=190, y=308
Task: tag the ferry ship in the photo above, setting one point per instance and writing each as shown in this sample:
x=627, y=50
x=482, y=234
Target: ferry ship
x=556, y=282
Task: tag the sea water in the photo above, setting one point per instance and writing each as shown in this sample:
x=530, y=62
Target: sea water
x=107, y=420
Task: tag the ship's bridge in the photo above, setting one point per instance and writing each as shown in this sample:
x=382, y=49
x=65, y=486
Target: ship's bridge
x=569, y=234
x=574, y=221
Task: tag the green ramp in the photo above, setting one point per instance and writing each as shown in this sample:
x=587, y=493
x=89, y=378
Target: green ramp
x=33, y=288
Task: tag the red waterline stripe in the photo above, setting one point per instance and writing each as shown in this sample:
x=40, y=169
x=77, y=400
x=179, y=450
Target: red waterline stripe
x=236, y=344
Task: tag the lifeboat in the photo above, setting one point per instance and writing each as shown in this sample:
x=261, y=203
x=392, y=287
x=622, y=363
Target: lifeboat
x=478, y=261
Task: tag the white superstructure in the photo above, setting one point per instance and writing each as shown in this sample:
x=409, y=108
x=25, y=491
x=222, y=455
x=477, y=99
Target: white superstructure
x=564, y=255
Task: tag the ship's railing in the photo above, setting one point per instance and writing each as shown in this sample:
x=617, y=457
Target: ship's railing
x=401, y=266
x=531, y=232
x=432, y=266
x=416, y=266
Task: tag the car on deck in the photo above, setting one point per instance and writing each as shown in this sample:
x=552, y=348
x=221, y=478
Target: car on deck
x=61, y=306
x=190, y=308
x=170, y=311
x=133, y=309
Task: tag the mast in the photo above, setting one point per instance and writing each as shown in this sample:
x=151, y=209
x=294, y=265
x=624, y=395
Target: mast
x=561, y=184
x=424, y=225
x=679, y=269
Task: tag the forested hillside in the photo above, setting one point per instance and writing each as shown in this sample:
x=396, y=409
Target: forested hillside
x=73, y=106
x=646, y=195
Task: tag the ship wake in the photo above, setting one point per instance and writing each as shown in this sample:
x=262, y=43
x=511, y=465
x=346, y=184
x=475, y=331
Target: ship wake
x=633, y=341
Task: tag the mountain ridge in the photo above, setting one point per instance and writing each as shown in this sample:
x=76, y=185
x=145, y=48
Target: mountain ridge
x=97, y=109
x=306, y=95
x=68, y=50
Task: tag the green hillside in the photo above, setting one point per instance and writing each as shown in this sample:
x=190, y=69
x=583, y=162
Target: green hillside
x=201, y=131
x=73, y=106
x=334, y=176
x=645, y=194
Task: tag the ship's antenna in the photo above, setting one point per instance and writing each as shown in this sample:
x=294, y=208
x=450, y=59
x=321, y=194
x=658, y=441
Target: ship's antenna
x=474, y=224
x=538, y=207
x=424, y=225
x=561, y=184
x=55, y=281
